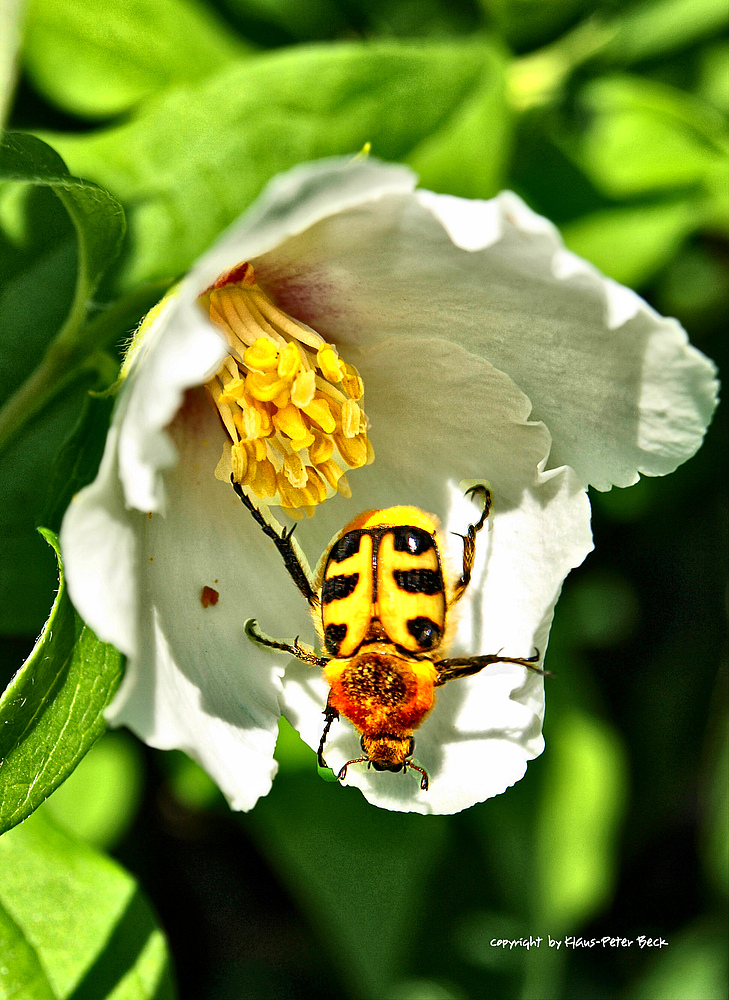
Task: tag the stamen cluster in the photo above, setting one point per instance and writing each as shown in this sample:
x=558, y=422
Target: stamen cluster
x=289, y=403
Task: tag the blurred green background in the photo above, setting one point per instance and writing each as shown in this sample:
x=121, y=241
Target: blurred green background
x=611, y=119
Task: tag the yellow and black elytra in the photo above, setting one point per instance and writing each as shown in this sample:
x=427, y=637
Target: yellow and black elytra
x=380, y=608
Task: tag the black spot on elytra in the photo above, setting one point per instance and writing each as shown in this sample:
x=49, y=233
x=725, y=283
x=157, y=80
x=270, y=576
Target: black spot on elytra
x=413, y=540
x=419, y=581
x=337, y=587
x=425, y=632
x=334, y=637
x=346, y=546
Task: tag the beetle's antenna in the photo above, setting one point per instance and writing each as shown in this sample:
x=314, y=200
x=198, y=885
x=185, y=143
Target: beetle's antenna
x=358, y=760
x=424, y=780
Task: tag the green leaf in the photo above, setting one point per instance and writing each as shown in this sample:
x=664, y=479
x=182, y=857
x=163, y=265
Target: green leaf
x=579, y=819
x=335, y=853
x=98, y=221
x=33, y=303
x=657, y=27
x=78, y=458
x=98, y=58
x=643, y=136
x=714, y=76
x=51, y=713
x=77, y=924
x=21, y=974
x=632, y=243
x=189, y=164
x=453, y=158
x=97, y=216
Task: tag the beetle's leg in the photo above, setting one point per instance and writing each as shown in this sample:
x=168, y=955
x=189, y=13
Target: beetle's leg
x=464, y=666
x=285, y=546
x=330, y=715
x=469, y=541
x=294, y=649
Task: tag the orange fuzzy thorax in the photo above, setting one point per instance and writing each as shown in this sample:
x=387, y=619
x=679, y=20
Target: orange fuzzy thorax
x=381, y=692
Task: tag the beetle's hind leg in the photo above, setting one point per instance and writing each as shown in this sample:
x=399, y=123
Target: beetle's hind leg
x=294, y=649
x=330, y=715
x=469, y=541
x=285, y=546
x=465, y=666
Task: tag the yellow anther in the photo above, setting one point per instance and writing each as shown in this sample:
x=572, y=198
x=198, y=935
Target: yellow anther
x=282, y=399
x=350, y=419
x=290, y=497
x=264, y=481
x=315, y=489
x=290, y=422
x=320, y=412
x=353, y=450
x=322, y=448
x=289, y=362
x=256, y=422
x=232, y=391
x=343, y=487
x=352, y=383
x=263, y=356
x=287, y=400
x=239, y=460
x=331, y=472
x=302, y=391
x=294, y=470
x=264, y=386
x=329, y=364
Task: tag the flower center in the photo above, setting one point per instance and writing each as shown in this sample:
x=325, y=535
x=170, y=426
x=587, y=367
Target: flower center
x=291, y=406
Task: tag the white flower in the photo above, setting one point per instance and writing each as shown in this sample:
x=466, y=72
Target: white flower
x=486, y=350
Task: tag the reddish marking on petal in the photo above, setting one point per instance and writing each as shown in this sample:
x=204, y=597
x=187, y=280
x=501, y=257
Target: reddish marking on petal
x=311, y=298
x=209, y=596
x=241, y=274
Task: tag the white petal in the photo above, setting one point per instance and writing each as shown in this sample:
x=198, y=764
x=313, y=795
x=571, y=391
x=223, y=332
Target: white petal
x=99, y=546
x=193, y=681
x=441, y=416
x=619, y=387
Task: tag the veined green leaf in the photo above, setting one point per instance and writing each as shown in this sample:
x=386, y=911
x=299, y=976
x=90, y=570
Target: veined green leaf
x=74, y=924
x=51, y=713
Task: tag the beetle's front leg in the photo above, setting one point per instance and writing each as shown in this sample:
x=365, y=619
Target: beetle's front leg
x=466, y=666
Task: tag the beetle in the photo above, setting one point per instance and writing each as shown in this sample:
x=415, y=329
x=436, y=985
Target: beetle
x=380, y=606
